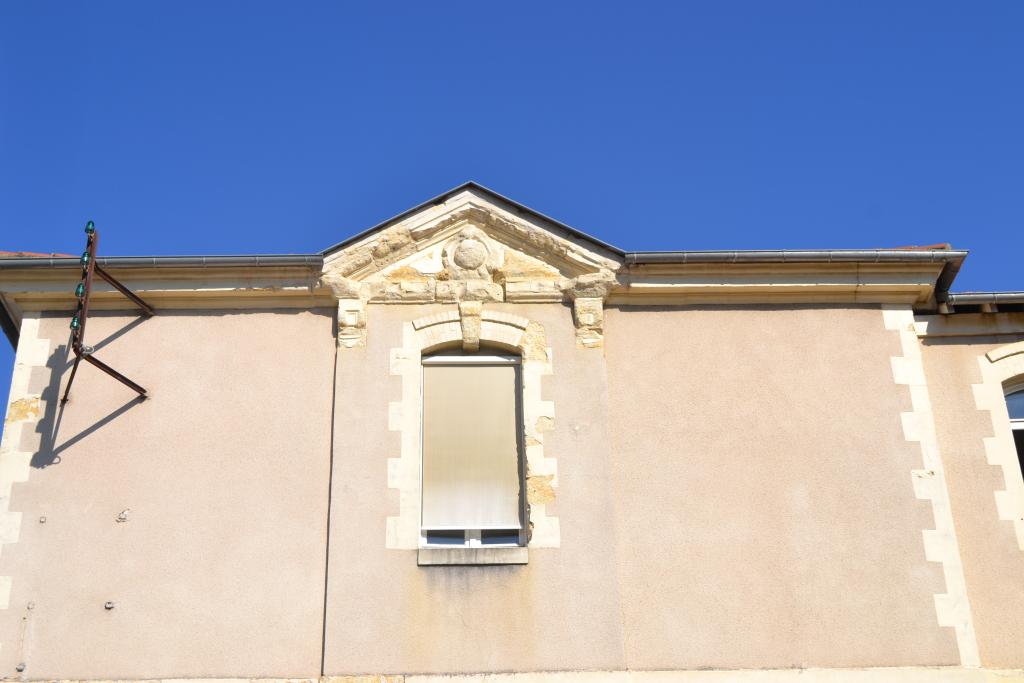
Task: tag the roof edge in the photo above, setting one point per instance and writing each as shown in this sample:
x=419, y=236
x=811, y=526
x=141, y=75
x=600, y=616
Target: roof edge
x=638, y=258
x=969, y=298
x=797, y=256
x=230, y=261
x=473, y=185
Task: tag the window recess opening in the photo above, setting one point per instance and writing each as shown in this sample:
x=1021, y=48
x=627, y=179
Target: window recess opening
x=1015, y=408
x=472, y=458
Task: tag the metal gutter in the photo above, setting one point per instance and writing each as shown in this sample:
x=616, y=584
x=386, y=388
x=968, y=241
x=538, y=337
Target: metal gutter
x=254, y=261
x=974, y=298
x=637, y=258
x=471, y=185
x=945, y=279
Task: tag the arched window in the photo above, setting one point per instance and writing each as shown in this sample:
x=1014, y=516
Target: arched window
x=1015, y=406
x=472, y=486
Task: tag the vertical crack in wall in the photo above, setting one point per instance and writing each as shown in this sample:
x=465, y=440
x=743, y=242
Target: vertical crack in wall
x=952, y=607
x=330, y=497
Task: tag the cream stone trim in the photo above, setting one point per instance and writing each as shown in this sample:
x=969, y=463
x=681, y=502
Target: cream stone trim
x=17, y=448
x=427, y=557
x=739, y=283
x=351, y=323
x=734, y=284
x=969, y=324
x=952, y=607
x=468, y=208
x=998, y=367
x=190, y=299
x=450, y=328
x=203, y=288
x=909, y=674
x=469, y=252
x=588, y=294
x=469, y=321
x=588, y=317
x=1004, y=352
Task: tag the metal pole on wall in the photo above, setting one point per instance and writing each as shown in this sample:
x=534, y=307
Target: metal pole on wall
x=81, y=316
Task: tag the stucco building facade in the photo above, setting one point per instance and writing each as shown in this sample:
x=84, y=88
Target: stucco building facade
x=472, y=440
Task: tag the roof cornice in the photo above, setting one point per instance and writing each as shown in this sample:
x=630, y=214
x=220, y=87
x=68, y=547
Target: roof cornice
x=241, y=261
x=796, y=256
x=919, y=276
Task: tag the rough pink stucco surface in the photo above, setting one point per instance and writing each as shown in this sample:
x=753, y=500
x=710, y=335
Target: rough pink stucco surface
x=223, y=471
x=386, y=614
x=764, y=511
x=993, y=561
x=734, y=491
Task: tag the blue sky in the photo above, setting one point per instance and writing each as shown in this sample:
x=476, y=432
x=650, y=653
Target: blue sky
x=247, y=127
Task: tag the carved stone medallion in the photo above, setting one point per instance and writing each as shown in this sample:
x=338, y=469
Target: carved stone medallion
x=470, y=255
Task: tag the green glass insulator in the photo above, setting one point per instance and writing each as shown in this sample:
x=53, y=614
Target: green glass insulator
x=80, y=290
x=90, y=228
x=75, y=323
x=85, y=258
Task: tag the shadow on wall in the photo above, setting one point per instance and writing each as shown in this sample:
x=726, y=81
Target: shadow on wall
x=58, y=364
x=62, y=358
x=979, y=340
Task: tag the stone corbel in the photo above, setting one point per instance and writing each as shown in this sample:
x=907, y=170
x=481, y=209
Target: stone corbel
x=351, y=323
x=351, y=309
x=588, y=293
x=588, y=316
x=469, y=318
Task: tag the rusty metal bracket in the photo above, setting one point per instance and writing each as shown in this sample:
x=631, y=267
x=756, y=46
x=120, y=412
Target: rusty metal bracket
x=78, y=321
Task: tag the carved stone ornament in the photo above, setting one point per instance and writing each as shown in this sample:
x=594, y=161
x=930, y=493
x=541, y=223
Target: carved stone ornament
x=588, y=315
x=472, y=251
x=471, y=255
x=588, y=293
x=469, y=321
x=351, y=323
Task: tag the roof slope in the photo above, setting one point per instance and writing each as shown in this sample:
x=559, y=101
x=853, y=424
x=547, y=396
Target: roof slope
x=477, y=187
x=937, y=253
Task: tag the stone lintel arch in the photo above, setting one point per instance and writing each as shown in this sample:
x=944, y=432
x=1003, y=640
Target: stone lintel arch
x=470, y=325
x=1001, y=369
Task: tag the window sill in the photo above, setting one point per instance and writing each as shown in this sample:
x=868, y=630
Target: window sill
x=428, y=557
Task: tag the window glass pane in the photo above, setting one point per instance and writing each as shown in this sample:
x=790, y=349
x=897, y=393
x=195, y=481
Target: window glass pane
x=500, y=537
x=470, y=447
x=1015, y=403
x=446, y=537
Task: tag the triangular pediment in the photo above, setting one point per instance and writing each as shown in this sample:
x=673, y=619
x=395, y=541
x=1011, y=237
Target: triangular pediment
x=471, y=235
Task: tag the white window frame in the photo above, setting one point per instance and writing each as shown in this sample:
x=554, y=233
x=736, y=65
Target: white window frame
x=473, y=538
